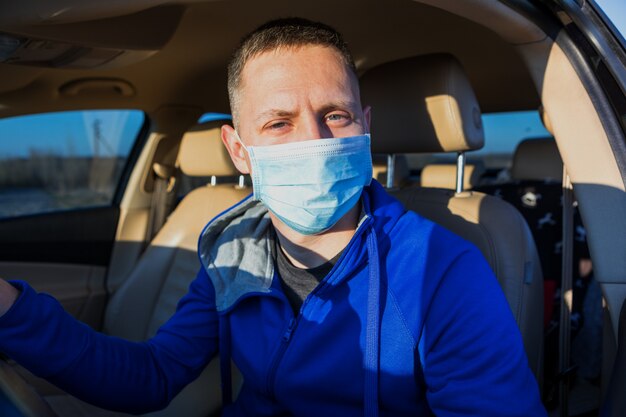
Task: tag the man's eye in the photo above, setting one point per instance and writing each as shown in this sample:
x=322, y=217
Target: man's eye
x=277, y=125
x=336, y=117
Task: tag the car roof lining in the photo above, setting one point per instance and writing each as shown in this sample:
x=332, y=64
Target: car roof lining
x=193, y=72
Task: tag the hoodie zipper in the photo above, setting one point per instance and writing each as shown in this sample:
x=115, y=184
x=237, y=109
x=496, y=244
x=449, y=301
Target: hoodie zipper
x=284, y=343
x=293, y=322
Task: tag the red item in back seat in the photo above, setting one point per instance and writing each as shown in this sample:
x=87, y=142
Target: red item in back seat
x=549, y=289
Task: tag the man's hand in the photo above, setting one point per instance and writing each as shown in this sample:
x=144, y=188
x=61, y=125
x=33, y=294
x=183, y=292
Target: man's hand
x=8, y=295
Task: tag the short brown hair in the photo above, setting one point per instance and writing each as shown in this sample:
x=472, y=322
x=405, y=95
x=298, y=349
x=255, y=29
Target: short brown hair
x=280, y=33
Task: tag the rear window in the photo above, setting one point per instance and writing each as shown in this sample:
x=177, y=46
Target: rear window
x=503, y=132
x=64, y=160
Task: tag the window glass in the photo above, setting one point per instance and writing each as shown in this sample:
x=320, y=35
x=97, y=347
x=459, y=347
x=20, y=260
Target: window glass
x=614, y=12
x=65, y=160
x=503, y=132
x=211, y=117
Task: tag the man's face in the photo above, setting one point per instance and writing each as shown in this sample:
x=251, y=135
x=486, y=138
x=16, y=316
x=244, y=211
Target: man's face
x=295, y=94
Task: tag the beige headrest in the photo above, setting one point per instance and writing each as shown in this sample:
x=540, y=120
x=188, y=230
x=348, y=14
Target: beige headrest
x=422, y=104
x=202, y=153
x=537, y=159
x=444, y=176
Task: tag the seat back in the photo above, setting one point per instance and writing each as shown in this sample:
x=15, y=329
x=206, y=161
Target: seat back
x=535, y=190
x=537, y=160
x=426, y=105
x=149, y=296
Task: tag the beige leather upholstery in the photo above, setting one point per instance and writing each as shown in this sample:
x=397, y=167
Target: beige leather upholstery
x=537, y=159
x=493, y=225
x=422, y=104
x=150, y=294
x=163, y=274
x=502, y=235
x=202, y=153
x=444, y=176
x=402, y=173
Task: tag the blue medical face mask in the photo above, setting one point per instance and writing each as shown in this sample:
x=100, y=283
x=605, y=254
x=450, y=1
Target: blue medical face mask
x=310, y=185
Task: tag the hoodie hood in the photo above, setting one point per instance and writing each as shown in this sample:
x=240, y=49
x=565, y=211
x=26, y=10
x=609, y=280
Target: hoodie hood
x=235, y=248
x=236, y=251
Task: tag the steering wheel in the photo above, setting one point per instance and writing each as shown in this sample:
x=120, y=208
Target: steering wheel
x=21, y=394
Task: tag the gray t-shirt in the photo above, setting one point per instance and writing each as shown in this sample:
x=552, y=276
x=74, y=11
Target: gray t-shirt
x=297, y=283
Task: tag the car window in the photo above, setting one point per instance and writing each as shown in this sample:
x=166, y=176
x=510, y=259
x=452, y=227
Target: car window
x=64, y=160
x=614, y=14
x=210, y=117
x=503, y=132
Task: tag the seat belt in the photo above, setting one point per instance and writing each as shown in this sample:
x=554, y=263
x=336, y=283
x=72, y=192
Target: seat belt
x=565, y=370
x=163, y=198
x=615, y=401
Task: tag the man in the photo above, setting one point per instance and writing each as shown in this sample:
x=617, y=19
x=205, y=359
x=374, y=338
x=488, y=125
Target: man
x=335, y=301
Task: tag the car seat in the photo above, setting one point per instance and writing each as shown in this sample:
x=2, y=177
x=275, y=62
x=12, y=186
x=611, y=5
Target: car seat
x=425, y=105
x=402, y=174
x=535, y=190
x=444, y=176
x=149, y=295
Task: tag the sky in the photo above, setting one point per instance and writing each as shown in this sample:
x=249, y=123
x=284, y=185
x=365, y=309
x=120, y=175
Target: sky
x=74, y=133
x=616, y=12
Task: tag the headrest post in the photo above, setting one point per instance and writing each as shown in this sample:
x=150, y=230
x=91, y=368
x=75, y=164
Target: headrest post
x=242, y=181
x=213, y=180
x=391, y=169
x=460, y=171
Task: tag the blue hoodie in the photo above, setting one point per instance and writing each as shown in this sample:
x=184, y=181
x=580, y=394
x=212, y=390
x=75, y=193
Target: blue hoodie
x=410, y=321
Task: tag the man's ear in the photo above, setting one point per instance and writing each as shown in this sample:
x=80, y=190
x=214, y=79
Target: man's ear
x=367, y=115
x=236, y=151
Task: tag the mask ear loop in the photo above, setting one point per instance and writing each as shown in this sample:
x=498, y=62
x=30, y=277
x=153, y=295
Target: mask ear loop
x=243, y=145
x=241, y=177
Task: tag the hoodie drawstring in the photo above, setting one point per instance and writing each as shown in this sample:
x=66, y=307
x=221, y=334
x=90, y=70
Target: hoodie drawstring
x=225, y=370
x=371, y=360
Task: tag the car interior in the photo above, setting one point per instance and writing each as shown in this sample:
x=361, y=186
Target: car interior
x=119, y=254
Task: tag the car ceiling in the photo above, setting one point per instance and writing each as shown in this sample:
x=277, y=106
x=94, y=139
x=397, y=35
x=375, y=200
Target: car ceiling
x=181, y=49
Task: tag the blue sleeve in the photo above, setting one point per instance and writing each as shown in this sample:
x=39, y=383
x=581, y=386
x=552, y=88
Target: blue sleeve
x=471, y=350
x=108, y=371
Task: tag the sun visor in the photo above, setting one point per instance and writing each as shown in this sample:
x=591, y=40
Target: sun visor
x=21, y=50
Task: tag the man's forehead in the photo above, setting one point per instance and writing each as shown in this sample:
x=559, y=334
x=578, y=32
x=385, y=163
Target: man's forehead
x=287, y=60
x=280, y=75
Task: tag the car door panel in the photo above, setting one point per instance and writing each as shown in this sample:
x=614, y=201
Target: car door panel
x=65, y=254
